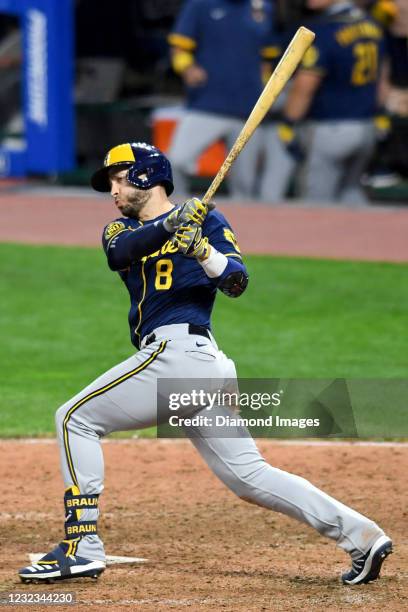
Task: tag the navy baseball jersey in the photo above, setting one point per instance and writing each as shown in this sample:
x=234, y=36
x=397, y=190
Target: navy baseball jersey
x=167, y=287
x=227, y=38
x=347, y=51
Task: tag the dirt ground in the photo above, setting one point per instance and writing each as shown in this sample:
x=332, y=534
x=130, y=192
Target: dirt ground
x=206, y=549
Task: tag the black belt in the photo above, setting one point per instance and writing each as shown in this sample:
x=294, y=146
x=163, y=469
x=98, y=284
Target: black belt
x=195, y=330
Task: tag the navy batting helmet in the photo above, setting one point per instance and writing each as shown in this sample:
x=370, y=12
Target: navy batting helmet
x=141, y=158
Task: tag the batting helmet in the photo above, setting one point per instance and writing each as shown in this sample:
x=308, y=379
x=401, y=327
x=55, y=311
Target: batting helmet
x=141, y=158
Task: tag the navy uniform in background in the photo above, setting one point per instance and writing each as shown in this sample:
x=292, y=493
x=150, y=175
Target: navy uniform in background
x=335, y=93
x=217, y=48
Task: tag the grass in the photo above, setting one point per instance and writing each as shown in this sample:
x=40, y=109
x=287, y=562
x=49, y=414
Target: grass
x=63, y=321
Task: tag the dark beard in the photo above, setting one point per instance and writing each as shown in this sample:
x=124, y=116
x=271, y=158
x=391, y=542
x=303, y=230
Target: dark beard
x=133, y=207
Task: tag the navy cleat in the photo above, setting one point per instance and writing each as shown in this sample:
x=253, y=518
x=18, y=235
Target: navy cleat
x=61, y=564
x=366, y=568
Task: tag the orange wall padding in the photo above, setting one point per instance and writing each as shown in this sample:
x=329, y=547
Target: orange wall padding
x=208, y=163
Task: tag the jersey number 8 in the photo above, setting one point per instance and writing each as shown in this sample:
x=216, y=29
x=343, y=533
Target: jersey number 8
x=164, y=279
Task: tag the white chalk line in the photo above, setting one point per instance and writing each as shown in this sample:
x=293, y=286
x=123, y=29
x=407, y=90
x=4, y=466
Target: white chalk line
x=135, y=440
x=110, y=559
x=52, y=516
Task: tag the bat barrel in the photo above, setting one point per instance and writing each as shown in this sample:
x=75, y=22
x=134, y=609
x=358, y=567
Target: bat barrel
x=280, y=76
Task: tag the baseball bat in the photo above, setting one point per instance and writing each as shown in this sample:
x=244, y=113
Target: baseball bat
x=280, y=76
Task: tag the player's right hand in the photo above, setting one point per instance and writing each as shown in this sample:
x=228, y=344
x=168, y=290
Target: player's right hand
x=192, y=211
x=190, y=241
x=194, y=76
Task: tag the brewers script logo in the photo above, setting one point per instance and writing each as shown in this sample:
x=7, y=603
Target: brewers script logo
x=113, y=228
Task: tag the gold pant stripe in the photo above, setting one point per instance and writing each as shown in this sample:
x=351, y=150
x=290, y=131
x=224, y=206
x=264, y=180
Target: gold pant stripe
x=100, y=391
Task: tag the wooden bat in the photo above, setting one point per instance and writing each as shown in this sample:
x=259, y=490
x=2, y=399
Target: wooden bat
x=280, y=76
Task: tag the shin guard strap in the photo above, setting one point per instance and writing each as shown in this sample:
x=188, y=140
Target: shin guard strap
x=77, y=529
x=74, y=503
x=80, y=502
x=63, y=562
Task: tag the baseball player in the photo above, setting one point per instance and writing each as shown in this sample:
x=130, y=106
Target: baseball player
x=217, y=48
x=335, y=91
x=172, y=259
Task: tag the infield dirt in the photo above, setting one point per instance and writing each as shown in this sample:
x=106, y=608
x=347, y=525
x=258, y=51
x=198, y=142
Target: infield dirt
x=206, y=549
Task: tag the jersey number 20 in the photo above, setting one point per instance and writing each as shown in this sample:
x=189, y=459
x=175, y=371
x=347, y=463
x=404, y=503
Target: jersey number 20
x=366, y=65
x=164, y=279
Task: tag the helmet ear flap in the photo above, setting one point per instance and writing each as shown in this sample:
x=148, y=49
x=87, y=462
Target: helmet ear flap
x=157, y=169
x=135, y=173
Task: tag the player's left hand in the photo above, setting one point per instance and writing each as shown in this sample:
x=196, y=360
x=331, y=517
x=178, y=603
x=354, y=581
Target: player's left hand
x=382, y=124
x=190, y=241
x=289, y=138
x=192, y=211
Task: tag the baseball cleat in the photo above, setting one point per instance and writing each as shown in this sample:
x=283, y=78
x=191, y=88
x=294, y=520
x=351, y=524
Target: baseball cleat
x=59, y=565
x=366, y=568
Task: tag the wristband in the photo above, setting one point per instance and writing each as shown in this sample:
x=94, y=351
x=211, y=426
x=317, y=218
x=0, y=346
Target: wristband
x=215, y=263
x=286, y=130
x=182, y=60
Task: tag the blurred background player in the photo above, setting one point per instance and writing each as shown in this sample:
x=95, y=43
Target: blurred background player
x=217, y=48
x=335, y=91
x=389, y=165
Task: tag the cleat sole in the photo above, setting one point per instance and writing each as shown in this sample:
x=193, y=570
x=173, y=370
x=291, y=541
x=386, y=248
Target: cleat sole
x=93, y=576
x=376, y=560
x=92, y=573
x=374, y=573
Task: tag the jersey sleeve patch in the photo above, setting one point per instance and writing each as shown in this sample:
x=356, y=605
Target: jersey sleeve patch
x=311, y=57
x=183, y=42
x=271, y=53
x=113, y=228
x=229, y=235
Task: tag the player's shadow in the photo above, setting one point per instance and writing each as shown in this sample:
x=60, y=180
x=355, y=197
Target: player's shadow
x=317, y=580
x=334, y=581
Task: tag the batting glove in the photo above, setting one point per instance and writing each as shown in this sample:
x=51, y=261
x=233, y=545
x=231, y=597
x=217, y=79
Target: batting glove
x=192, y=211
x=190, y=241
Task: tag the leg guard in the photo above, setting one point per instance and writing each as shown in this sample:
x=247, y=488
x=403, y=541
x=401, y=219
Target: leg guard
x=63, y=562
x=75, y=529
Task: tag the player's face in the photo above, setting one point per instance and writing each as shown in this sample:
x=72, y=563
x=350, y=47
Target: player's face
x=129, y=199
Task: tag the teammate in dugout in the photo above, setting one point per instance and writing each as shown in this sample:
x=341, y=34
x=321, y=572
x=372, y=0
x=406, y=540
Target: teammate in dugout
x=335, y=93
x=172, y=260
x=220, y=48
